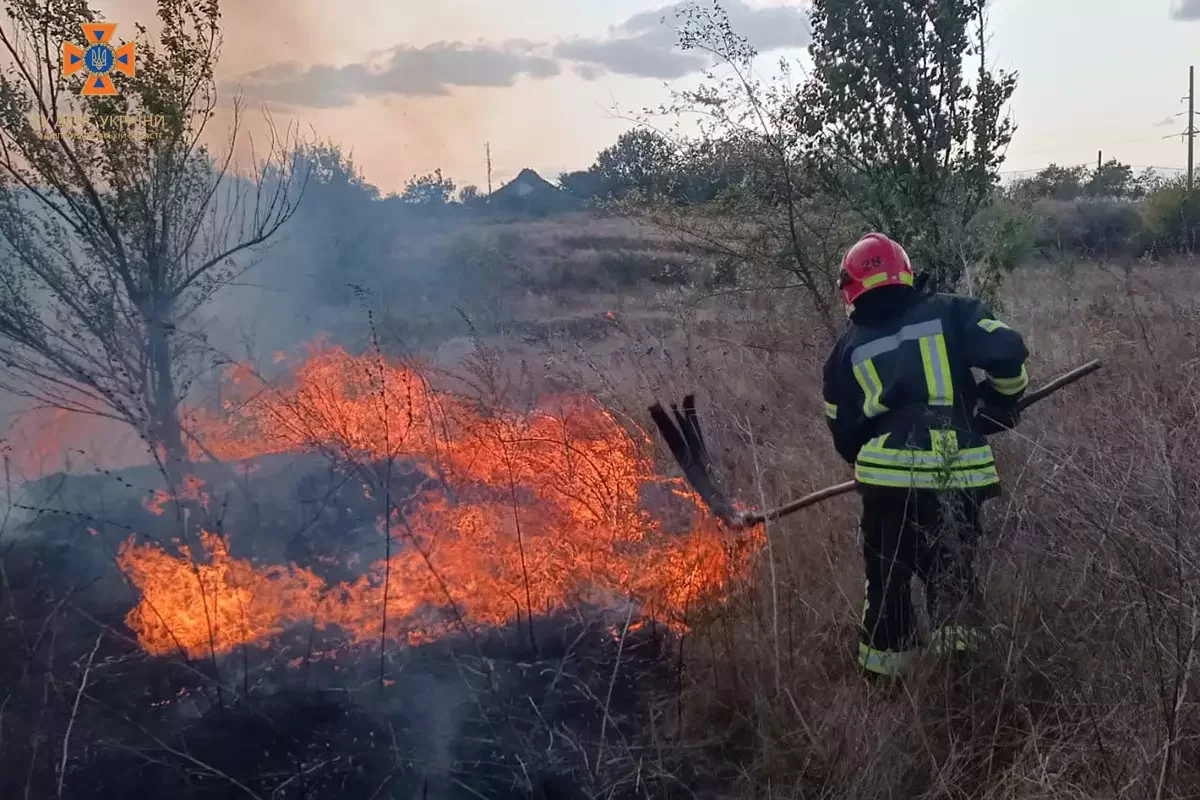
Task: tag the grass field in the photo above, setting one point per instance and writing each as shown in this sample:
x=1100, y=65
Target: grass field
x=1090, y=685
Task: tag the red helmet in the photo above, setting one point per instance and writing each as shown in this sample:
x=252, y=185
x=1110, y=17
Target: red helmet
x=873, y=262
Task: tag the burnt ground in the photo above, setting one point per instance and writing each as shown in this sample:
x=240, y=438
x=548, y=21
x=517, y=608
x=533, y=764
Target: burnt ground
x=564, y=708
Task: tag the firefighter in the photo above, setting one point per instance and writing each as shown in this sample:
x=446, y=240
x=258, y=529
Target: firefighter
x=904, y=408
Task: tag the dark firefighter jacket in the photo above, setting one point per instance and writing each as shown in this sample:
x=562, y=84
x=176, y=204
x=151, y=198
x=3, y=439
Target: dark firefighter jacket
x=900, y=396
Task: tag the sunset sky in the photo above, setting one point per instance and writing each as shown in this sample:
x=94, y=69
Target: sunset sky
x=410, y=86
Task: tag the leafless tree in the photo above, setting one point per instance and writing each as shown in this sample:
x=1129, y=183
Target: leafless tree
x=117, y=222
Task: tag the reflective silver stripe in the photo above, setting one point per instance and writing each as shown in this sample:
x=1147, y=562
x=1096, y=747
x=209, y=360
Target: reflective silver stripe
x=934, y=349
x=886, y=344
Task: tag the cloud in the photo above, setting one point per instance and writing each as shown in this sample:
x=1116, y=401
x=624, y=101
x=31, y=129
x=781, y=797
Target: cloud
x=1186, y=9
x=769, y=28
x=589, y=72
x=403, y=70
x=641, y=56
x=643, y=46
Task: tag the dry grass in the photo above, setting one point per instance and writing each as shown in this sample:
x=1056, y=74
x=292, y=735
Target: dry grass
x=1092, y=566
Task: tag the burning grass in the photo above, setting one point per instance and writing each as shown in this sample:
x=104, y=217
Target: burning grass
x=515, y=514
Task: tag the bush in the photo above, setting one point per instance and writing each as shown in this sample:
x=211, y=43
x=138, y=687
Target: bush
x=1171, y=220
x=1086, y=227
x=1092, y=228
x=1109, y=227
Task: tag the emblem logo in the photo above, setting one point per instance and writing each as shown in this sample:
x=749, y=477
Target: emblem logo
x=99, y=59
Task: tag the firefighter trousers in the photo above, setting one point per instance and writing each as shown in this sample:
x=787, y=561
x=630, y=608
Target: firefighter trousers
x=927, y=534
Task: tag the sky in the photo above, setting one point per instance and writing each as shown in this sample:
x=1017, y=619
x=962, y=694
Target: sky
x=408, y=86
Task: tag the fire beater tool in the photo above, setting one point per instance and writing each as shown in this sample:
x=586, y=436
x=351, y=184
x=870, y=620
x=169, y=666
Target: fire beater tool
x=683, y=437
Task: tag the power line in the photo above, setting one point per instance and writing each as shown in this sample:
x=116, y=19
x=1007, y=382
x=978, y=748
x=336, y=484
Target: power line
x=1188, y=135
x=1107, y=145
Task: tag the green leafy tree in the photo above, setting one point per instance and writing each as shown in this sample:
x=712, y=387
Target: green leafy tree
x=641, y=161
x=1112, y=179
x=327, y=166
x=470, y=196
x=585, y=184
x=899, y=131
x=428, y=190
x=1053, y=182
x=711, y=168
x=117, y=224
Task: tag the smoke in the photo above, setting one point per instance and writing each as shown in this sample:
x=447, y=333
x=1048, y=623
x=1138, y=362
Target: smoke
x=1186, y=10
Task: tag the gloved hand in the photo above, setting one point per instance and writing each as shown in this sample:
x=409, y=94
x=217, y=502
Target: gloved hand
x=990, y=419
x=995, y=413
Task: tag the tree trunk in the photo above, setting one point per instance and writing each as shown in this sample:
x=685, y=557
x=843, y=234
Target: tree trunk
x=165, y=427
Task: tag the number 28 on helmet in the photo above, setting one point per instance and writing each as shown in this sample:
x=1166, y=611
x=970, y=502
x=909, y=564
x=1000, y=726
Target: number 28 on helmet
x=874, y=261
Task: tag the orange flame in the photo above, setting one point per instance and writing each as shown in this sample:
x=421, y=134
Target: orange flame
x=546, y=513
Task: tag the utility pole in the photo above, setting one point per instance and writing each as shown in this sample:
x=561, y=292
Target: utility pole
x=1191, y=128
x=1099, y=159
x=488, y=149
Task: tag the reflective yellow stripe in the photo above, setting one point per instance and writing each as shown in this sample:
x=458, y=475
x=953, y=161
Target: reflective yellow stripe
x=905, y=278
x=941, y=480
x=976, y=459
x=1010, y=385
x=990, y=325
x=885, y=662
x=872, y=388
x=938, y=382
x=944, y=453
x=830, y=410
x=944, y=444
x=945, y=466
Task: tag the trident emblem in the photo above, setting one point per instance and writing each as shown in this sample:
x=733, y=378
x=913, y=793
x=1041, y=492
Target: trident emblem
x=99, y=59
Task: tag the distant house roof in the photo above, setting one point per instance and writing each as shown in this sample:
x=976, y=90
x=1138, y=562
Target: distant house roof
x=530, y=192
